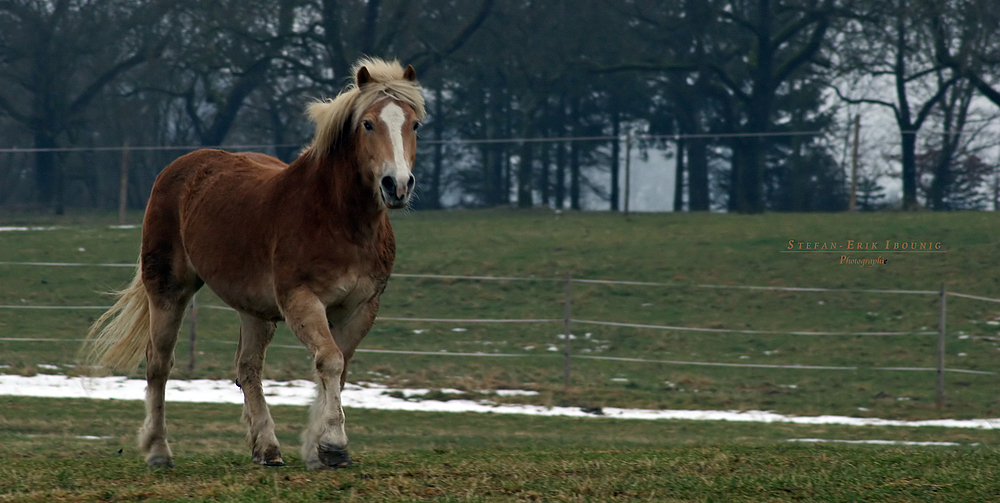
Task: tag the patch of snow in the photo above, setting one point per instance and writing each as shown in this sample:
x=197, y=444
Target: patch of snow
x=513, y=392
x=18, y=229
x=373, y=396
x=874, y=442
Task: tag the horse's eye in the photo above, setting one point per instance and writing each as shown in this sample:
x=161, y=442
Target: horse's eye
x=416, y=125
x=368, y=125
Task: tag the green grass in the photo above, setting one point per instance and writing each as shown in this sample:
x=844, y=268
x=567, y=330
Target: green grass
x=402, y=456
x=711, y=473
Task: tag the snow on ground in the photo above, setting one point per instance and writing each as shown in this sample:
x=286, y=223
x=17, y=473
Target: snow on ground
x=19, y=229
x=875, y=442
x=375, y=396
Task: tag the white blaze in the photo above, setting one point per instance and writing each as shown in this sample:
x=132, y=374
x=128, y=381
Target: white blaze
x=393, y=117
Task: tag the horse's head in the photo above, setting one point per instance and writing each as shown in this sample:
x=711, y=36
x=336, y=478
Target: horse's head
x=374, y=122
x=386, y=142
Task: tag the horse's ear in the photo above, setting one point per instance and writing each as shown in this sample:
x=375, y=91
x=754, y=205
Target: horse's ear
x=363, y=76
x=410, y=73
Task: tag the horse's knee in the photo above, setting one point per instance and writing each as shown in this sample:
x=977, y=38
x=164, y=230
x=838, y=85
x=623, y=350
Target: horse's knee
x=330, y=364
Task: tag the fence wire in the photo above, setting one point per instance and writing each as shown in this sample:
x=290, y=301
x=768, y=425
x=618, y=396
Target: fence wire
x=572, y=320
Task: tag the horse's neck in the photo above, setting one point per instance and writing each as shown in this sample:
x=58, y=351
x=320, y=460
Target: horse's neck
x=331, y=189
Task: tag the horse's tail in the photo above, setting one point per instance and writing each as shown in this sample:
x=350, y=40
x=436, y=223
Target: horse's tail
x=117, y=340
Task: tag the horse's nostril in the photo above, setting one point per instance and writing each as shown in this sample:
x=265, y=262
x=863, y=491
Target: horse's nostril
x=389, y=184
x=410, y=182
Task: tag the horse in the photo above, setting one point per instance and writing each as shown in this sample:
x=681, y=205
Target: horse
x=309, y=243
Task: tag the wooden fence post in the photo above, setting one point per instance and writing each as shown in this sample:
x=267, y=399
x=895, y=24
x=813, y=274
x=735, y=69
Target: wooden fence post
x=193, y=316
x=942, y=315
x=123, y=188
x=567, y=312
x=852, y=207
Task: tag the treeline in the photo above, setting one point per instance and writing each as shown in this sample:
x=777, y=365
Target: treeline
x=754, y=99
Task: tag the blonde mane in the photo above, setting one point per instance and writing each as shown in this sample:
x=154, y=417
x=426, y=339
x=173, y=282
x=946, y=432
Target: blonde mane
x=332, y=117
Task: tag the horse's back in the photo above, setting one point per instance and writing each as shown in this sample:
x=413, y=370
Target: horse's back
x=206, y=208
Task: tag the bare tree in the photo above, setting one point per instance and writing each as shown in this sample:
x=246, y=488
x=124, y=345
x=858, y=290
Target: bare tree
x=58, y=56
x=967, y=39
x=891, y=45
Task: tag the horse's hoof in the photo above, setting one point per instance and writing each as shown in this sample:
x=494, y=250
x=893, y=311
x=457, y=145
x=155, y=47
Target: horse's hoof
x=334, y=457
x=275, y=461
x=159, y=462
x=271, y=457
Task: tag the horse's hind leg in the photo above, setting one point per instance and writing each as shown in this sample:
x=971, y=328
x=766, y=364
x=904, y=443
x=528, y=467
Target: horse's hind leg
x=255, y=335
x=165, y=321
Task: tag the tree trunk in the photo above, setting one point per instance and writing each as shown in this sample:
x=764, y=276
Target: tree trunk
x=615, y=154
x=545, y=175
x=737, y=201
x=908, y=142
x=493, y=153
x=560, y=188
x=47, y=179
x=574, y=159
x=909, y=150
x=524, y=174
x=697, y=157
x=679, y=176
x=433, y=194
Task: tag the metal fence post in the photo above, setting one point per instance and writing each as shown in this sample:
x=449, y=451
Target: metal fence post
x=940, y=356
x=567, y=311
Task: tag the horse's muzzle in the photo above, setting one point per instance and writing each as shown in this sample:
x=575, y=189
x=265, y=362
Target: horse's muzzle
x=396, y=195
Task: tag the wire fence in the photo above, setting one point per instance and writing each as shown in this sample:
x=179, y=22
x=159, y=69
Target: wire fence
x=634, y=135
x=569, y=320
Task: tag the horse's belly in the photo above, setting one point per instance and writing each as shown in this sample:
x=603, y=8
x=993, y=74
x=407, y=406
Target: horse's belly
x=254, y=300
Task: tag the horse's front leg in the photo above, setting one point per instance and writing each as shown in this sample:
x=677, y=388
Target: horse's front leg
x=324, y=442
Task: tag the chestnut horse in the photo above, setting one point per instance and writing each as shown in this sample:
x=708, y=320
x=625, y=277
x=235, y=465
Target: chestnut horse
x=308, y=243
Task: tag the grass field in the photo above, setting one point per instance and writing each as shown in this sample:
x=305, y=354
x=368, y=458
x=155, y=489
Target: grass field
x=83, y=450
x=460, y=457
